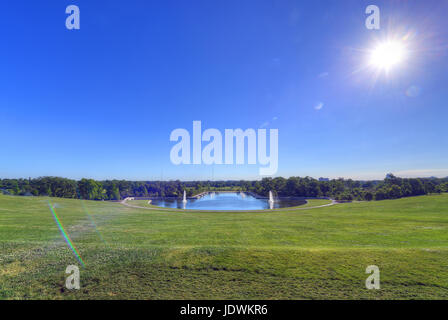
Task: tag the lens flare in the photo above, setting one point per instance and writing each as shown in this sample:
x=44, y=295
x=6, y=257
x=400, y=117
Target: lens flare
x=92, y=221
x=65, y=235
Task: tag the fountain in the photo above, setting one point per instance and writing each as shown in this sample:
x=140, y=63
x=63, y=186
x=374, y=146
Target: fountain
x=184, y=201
x=271, y=200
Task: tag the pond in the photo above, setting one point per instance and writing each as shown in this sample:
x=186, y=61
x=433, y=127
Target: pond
x=227, y=201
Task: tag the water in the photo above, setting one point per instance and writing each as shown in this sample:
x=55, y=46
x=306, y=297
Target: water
x=226, y=201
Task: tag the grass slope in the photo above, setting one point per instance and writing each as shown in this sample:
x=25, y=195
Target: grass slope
x=149, y=254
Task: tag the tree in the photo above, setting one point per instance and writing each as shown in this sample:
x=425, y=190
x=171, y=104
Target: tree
x=438, y=189
x=380, y=194
x=368, y=196
x=394, y=192
x=90, y=189
x=445, y=187
x=417, y=187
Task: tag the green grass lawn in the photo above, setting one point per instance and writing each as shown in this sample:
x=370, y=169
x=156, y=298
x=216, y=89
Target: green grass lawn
x=136, y=253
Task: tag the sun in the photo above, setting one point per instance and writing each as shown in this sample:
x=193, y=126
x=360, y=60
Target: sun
x=387, y=55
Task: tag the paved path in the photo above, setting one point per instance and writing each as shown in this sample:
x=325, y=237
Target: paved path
x=124, y=202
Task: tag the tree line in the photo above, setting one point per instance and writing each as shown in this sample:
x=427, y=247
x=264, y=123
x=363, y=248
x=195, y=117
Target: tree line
x=391, y=187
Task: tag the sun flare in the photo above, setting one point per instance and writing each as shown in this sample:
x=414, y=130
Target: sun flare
x=387, y=55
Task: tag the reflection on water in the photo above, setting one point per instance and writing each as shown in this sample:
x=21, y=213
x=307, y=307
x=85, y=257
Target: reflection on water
x=227, y=201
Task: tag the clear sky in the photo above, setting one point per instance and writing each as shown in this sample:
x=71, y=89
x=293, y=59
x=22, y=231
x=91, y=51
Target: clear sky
x=101, y=101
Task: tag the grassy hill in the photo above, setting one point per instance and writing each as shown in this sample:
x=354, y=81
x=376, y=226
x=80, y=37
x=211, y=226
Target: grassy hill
x=132, y=253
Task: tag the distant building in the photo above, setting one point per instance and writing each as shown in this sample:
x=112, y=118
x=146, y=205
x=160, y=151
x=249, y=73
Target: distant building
x=324, y=179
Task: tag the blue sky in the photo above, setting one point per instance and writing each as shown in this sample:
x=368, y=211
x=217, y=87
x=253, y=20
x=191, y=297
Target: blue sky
x=102, y=101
